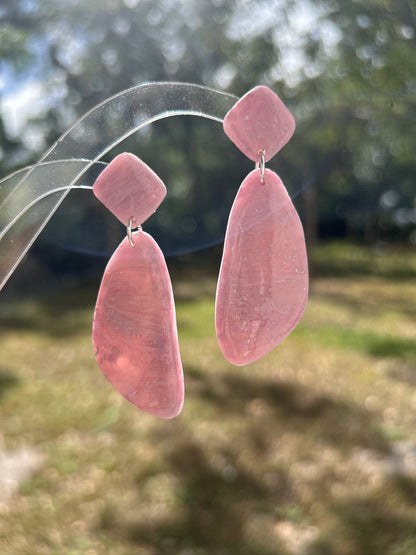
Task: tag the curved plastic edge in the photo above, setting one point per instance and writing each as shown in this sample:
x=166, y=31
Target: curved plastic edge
x=80, y=147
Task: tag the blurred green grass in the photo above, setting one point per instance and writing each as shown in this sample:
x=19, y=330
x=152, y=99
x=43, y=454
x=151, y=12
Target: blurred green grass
x=310, y=450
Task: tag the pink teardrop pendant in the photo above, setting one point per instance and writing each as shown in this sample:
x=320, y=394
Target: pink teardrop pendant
x=134, y=330
x=263, y=283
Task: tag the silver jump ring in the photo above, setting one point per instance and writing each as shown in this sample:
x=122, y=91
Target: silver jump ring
x=129, y=234
x=262, y=164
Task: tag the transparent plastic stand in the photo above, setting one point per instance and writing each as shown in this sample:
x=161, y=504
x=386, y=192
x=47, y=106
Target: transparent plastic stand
x=29, y=197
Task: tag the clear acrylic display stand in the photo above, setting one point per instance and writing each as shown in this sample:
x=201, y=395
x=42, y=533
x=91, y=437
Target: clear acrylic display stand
x=29, y=197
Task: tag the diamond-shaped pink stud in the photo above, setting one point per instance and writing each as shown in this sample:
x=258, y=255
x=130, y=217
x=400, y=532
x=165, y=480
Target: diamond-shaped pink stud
x=129, y=189
x=259, y=121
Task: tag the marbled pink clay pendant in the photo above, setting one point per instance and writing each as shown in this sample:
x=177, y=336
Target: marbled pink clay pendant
x=263, y=282
x=134, y=330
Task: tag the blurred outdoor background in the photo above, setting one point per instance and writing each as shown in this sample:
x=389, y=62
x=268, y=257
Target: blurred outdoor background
x=311, y=450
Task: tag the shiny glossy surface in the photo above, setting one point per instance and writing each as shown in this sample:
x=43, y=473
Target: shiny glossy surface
x=129, y=189
x=134, y=330
x=263, y=283
x=259, y=121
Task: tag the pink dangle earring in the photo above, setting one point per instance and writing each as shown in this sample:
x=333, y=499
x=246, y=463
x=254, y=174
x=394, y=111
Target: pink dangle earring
x=134, y=329
x=263, y=281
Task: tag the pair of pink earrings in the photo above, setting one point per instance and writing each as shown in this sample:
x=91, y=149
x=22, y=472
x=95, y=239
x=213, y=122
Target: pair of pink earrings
x=263, y=282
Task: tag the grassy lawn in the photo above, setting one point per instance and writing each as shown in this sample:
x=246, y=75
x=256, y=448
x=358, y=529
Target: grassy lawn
x=311, y=450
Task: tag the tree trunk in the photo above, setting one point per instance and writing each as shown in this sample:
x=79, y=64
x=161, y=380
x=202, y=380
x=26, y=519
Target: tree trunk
x=310, y=201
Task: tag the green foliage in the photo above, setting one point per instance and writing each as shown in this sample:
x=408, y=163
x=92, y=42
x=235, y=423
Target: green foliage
x=346, y=70
x=12, y=44
x=309, y=450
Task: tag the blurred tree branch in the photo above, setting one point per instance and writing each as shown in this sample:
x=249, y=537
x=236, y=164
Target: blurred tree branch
x=346, y=69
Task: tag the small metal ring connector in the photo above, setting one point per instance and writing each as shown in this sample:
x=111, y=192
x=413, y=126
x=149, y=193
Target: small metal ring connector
x=129, y=234
x=262, y=164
